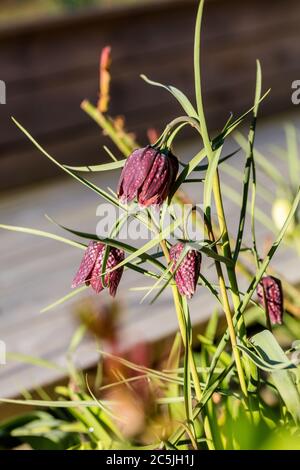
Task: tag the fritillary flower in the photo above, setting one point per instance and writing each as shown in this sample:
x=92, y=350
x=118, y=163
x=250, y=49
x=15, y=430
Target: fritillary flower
x=90, y=269
x=186, y=275
x=148, y=175
x=269, y=289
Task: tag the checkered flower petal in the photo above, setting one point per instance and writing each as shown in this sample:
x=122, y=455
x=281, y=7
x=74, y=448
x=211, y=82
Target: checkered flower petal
x=87, y=264
x=135, y=172
x=90, y=269
x=270, y=289
x=159, y=181
x=117, y=256
x=148, y=175
x=187, y=274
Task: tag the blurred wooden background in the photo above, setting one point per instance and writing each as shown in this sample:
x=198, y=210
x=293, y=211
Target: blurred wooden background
x=49, y=66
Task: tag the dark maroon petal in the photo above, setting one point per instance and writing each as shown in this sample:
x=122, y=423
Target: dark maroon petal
x=95, y=277
x=117, y=256
x=174, y=165
x=270, y=289
x=113, y=278
x=155, y=182
x=134, y=173
x=161, y=177
x=87, y=263
x=187, y=273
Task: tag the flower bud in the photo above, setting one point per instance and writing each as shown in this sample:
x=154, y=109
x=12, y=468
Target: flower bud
x=270, y=289
x=148, y=175
x=187, y=273
x=90, y=269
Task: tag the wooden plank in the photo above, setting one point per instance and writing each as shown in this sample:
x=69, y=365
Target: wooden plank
x=50, y=67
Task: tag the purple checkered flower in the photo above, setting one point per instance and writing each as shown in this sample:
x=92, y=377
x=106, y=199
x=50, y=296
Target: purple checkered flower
x=270, y=289
x=148, y=175
x=90, y=269
x=186, y=275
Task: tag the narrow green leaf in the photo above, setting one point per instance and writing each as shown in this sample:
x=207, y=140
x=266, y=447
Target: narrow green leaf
x=181, y=98
x=252, y=287
x=35, y=361
x=187, y=171
x=85, y=182
x=54, y=403
x=219, y=140
x=209, y=179
x=246, y=180
x=267, y=364
x=112, y=242
x=97, y=168
x=151, y=244
x=63, y=299
x=197, y=68
x=283, y=380
x=187, y=388
x=41, y=233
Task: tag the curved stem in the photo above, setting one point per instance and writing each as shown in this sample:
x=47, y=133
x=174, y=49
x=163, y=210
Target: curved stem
x=180, y=121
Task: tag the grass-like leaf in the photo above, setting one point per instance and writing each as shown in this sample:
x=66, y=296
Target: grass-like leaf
x=63, y=299
x=283, y=380
x=267, y=364
x=97, y=168
x=41, y=233
x=247, y=171
x=180, y=97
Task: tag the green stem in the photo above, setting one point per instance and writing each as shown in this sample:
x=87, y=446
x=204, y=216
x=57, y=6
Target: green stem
x=226, y=243
x=227, y=253
x=108, y=128
x=218, y=201
x=255, y=280
x=182, y=328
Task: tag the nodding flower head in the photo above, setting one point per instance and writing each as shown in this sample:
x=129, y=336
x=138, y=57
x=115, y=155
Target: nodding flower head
x=148, y=175
x=90, y=268
x=186, y=275
x=269, y=291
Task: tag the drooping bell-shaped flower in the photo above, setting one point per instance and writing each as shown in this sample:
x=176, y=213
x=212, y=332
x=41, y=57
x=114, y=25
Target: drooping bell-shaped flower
x=90, y=268
x=186, y=275
x=148, y=175
x=270, y=289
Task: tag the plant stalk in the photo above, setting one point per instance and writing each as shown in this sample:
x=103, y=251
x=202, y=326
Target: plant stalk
x=182, y=328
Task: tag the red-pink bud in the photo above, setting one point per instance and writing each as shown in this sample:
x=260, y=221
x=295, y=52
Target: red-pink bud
x=90, y=268
x=147, y=175
x=186, y=275
x=270, y=289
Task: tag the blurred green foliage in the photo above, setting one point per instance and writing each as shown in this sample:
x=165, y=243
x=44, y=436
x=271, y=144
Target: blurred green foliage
x=12, y=11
